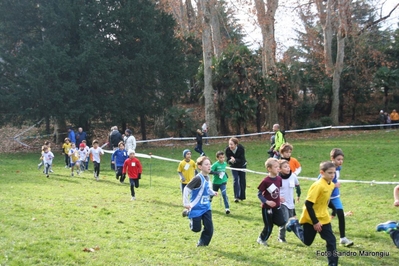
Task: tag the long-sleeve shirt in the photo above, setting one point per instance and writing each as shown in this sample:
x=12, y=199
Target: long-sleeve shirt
x=132, y=167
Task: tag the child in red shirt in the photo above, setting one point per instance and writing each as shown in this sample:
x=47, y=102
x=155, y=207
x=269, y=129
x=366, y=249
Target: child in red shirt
x=134, y=169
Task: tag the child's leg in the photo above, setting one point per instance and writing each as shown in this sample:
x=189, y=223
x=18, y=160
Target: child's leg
x=182, y=186
x=267, y=215
x=136, y=182
x=305, y=233
x=285, y=214
x=331, y=245
x=207, y=233
x=215, y=187
x=98, y=169
x=395, y=236
x=223, y=189
x=132, y=184
x=46, y=168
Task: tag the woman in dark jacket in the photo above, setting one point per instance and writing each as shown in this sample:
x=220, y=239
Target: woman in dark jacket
x=235, y=156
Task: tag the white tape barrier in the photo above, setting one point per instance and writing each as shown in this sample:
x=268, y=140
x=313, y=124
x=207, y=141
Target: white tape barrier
x=148, y=156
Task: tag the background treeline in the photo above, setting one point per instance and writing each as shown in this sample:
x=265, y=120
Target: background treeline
x=137, y=64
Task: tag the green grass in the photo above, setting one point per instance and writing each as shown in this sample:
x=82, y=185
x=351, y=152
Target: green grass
x=51, y=221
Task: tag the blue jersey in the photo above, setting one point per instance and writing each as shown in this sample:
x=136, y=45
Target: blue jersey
x=119, y=157
x=200, y=198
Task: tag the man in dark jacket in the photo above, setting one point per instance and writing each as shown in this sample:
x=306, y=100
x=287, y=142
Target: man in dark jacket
x=115, y=137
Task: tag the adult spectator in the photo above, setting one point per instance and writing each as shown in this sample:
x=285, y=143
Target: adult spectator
x=71, y=135
x=130, y=140
x=235, y=156
x=382, y=119
x=278, y=140
x=205, y=132
x=394, y=118
x=114, y=138
x=80, y=136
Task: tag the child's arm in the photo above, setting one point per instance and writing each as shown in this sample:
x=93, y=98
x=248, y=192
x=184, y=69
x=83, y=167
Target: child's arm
x=298, y=192
x=186, y=198
x=265, y=201
x=182, y=179
x=298, y=170
x=312, y=215
x=396, y=196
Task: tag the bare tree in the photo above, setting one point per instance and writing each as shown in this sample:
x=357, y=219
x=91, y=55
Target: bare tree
x=210, y=111
x=266, y=18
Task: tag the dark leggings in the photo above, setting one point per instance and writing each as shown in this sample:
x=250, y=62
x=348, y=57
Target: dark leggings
x=67, y=160
x=96, y=168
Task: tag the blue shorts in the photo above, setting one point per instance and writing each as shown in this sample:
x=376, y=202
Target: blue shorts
x=337, y=203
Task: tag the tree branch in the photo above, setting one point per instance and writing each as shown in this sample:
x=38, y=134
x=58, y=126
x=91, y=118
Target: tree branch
x=370, y=24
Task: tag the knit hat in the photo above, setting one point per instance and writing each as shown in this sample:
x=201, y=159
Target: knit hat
x=82, y=145
x=131, y=151
x=185, y=152
x=129, y=131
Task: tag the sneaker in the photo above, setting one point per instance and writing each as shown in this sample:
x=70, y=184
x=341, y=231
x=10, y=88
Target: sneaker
x=236, y=200
x=51, y=171
x=261, y=242
x=133, y=198
x=72, y=174
x=227, y=211
x=78, y=172
x=290, y=223
x=47, y=176
x=345, y=242
x=282, y=240
x=387, y=226
x=184, y=213
x=97, y=178
x=66, y=166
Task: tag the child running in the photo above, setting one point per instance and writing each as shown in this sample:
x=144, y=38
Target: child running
x=290, y=181
x=286, y=152
x=83, y=154
x=315, y=217
x=219, y=180
x=74, y=158
x=337, y=158
x=198, y=138
x=65, y=150
x=118, y=158
x=48, y=157
x=196, y=199
x=186, y=169
x=88, y=152
x=133, y=168
x=96, y=153
x=269, y=195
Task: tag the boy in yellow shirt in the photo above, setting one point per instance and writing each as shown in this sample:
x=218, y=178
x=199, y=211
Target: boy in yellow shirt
x=315, y=217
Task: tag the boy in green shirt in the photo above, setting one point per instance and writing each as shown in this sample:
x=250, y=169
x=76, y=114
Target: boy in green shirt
x=219, y=179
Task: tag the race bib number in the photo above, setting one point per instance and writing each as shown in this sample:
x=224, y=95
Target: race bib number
x=186, y=166
x=204, y=199
x=271, y=188
x=221, y=175
x=133, y=164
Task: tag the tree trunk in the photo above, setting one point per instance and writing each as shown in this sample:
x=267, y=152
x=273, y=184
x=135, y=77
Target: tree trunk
x=343, y=6
x=215, y=28
x=210, y=116
x=191, y=18
x=266, y=19
x=325, y=16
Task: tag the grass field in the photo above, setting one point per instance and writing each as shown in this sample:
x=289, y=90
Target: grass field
x=52, y=221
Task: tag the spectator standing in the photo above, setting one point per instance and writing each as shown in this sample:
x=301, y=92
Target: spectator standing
x=235, y=156
x=279, y=140
x=394, y=118
x=71, y=135
x=114, y=138
x=205, y=132
x=381, y=118
x=130, y=140
x=80, y=136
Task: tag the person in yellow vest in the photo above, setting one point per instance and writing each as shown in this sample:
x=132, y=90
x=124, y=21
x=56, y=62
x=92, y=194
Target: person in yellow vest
x=394, y=118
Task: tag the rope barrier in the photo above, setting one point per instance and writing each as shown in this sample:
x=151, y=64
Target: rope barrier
x=373, y=182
